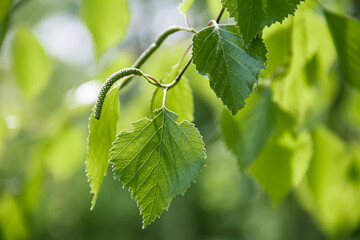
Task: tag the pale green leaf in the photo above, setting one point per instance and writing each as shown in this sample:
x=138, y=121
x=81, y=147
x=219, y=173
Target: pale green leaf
x=283, y=163
x=246, y=133
x=346, y=34
x=308, y=77
x=30, y=64
x=157, y=160
x=220, y=54
x=184, y=6
x=252, y=16
x=178, y=99
x=101, y=136
x=13, y=223
x=60, y=163
x=107, y=21
x=331, y=190
x=4, y=8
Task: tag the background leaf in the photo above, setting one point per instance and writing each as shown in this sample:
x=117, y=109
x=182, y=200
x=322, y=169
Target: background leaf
x=4, y=8
x=283, y=163
x=157, y=160
x=332, y=183
x=107, y=21
x=247, y=132
x=220, y=54
x=184, y=6
x=30, y=65
x=346, y=35
x=101, y=136
x=253, y=15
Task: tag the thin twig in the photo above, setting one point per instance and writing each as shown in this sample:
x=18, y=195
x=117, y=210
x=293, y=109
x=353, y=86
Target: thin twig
x=220, y=15
x=178, y=77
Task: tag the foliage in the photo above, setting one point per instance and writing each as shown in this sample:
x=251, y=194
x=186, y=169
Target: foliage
x=270, y=88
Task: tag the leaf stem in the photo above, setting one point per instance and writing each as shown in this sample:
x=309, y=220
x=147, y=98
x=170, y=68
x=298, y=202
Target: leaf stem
x=155, y=45
x=126, y=73
x=164, y=96
x=178, y=77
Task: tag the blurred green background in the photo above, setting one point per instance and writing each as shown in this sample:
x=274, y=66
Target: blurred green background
x=53, y=59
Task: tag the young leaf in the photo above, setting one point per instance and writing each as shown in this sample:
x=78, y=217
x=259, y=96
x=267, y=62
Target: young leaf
x=220, y=54
x=246, y=134
x=101, y=136
x=30, y=64
x=252, y=16
x=179, y=99
x=107, y=21
x=157, y=160
x=184, y=6
x=346, y=34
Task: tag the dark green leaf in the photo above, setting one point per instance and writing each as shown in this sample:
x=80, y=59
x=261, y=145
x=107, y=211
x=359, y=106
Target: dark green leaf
x=252, y=16
x=220, y=54
x=157, y=160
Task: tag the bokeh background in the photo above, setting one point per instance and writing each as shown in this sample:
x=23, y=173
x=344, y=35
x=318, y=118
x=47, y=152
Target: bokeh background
x=54, y=57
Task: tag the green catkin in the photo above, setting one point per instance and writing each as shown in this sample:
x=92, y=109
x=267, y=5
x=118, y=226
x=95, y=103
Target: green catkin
x=108, y=84
x=134, y=69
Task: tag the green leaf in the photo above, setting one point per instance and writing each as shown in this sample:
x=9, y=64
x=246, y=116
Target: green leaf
x=247, y=133
x=283, y=163
x=30, y=64
x=220, y=54
x=60, y=163
x=252, y=16
x=178, y=99
x=101, y=136
x=107, y=21
x=333, y=183
x=4, y=8
x=157, y=160
x=346, y=34
x=184, y=6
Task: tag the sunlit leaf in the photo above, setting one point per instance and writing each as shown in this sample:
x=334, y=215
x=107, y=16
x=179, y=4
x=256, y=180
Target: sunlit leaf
x=30, y=64
x=253, y=15
x=247, y=133
x=333, y=183
x=101, y=136
x=308, y=77
x=283, y=163
x=278, y=42
x=184, y=6
x=107, y=21
x=157, y=160
x=346, y=34
x=220, y=54
x=12, y=220
x=178, y=99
